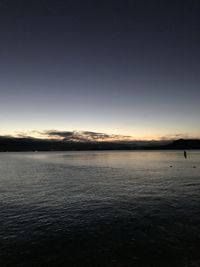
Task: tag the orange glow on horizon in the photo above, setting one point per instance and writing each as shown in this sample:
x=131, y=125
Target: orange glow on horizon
x=108, y=137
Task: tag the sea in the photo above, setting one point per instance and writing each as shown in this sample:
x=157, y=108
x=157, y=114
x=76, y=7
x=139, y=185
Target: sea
x=100, y=209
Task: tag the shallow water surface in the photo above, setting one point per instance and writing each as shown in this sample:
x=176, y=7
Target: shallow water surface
x=100, y=209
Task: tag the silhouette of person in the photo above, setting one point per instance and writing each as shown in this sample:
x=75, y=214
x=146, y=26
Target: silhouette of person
x=185, y=154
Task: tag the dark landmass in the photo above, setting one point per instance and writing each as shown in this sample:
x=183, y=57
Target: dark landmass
x=183, y=144
x=33, y=144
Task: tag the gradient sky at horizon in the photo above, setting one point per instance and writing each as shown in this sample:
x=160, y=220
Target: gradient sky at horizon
x=119, y=67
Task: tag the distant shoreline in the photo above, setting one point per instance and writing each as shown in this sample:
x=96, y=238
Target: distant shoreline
x=38, y=145
x=103, y=150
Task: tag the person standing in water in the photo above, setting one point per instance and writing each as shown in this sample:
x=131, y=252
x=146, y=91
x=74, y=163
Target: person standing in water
x=185, y=154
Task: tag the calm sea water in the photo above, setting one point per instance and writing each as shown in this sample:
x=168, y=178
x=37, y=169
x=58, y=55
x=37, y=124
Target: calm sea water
x=100, y=209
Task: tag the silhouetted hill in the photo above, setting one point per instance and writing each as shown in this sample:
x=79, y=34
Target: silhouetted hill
x=34, y=144
x=183, y=144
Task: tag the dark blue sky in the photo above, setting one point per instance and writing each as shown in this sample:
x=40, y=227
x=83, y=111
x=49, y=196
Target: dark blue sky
x=127, y=67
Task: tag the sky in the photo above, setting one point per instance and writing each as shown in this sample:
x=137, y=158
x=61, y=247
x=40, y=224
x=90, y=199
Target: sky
x=128, y=68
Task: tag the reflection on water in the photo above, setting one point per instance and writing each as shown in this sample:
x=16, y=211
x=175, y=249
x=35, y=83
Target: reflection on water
x=100, y=209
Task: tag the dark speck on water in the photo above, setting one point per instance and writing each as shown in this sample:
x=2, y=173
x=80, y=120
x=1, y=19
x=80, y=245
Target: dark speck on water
x=100, y=209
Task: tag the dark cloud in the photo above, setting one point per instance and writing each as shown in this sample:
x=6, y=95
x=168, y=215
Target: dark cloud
x=89, y=136
x=84, y=136
x=174, y=137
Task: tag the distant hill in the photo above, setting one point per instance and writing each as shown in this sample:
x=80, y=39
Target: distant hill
x=34, y=144
x=183, y=144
